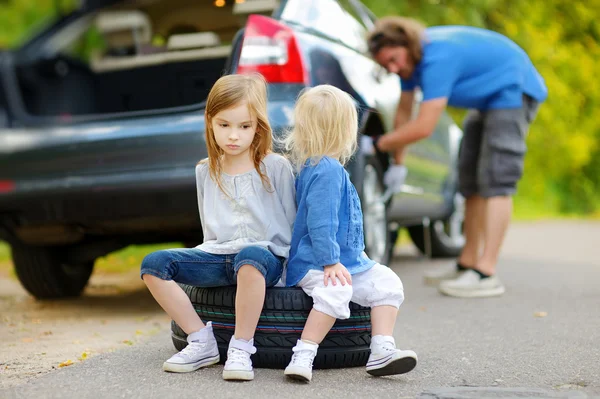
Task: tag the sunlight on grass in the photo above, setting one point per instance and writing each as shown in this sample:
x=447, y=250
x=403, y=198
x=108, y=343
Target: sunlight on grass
x=4, y=252
x=128, y=258
x=117, y=262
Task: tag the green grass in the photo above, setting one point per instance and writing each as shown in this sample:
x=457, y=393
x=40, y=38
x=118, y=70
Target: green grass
x=4, y=252
x=120, y=261
x=128, y=258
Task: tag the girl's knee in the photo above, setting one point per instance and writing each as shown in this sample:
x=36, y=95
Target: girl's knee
x=262, y=260
x=387, y=289
x=333, y=300
x=391, y=293
x=156, y=264
x=257, y=254
x=249, y=270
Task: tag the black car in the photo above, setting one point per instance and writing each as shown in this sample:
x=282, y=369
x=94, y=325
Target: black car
x=102, y=122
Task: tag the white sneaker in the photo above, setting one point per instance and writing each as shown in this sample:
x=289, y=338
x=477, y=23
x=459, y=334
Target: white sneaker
x=300, y=367
x=435, y=277
x=471, y=285
x=239, y=365
x=385, y=359
x=201, y=351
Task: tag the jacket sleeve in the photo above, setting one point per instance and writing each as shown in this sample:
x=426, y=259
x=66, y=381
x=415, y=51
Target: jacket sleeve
x=323, y=198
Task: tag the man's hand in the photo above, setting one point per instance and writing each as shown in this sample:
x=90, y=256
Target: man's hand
x=395, y=177
x=383, y=142
x=338, y=270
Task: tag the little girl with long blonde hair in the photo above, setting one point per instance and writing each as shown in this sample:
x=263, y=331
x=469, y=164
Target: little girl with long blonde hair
x=247, y=209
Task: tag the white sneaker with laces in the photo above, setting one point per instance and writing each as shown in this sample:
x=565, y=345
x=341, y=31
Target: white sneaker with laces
x=471, y=285
x=435, y=277
x=300, y=367
x=201, y=351
x=239, y=365
x=385, y=359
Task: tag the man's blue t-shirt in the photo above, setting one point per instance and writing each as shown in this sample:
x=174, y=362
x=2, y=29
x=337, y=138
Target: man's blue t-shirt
x=475, y=68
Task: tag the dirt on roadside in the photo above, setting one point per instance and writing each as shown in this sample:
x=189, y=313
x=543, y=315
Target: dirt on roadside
x=37, y=337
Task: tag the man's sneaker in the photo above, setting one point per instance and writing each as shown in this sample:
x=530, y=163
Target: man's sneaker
x=385, y=359
x=300, y=367
x=239, y=365
x=435, y=277
x=472, y=285
x=201, y=351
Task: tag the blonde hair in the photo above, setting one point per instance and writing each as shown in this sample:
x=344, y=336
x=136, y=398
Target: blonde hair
x=228, y=92
x=397, y=32
x=326, y=124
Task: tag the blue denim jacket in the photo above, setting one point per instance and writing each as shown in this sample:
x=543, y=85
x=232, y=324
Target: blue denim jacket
x=329, y=222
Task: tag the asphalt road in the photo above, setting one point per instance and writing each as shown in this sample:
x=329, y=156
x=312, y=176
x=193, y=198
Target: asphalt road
x=496, y=347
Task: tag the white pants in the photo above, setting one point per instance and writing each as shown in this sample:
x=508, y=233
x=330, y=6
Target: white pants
x=375, y=287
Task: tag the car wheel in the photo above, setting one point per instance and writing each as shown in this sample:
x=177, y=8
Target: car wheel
x=447, y=236
x=280, y=325
x=45, y=275
x=378, y=237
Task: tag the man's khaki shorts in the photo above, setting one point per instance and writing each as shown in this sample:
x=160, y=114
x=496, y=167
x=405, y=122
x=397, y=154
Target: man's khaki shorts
x=492, y=150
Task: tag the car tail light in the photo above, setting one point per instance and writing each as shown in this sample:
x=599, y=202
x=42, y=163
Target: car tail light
x=7, y=186
x=270, y=48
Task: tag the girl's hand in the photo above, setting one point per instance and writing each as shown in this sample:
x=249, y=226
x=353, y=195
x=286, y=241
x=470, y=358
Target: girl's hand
x=338, y=270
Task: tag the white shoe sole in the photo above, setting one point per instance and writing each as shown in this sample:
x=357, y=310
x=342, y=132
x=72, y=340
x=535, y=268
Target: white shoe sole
x=435, y=281
x=238, y=375
x=298, y=373
x=477, y=293
x=187, y=368
x=398, y=363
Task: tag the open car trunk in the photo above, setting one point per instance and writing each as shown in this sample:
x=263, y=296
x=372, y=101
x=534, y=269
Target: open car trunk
x=133, y=56
x=82, y=91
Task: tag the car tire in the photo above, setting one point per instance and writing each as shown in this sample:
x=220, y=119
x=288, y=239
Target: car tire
x=447, y=238
x=379, y=243
x=280, y=325
x=45, y=275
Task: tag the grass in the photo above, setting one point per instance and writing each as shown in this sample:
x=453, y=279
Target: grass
x=120, y=261
x=4, y=252
x=128, y=258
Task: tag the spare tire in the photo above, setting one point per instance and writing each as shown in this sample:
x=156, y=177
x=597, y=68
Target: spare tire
x=280, y=326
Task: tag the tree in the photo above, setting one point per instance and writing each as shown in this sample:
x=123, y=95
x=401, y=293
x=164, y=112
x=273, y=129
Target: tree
x=562, y=38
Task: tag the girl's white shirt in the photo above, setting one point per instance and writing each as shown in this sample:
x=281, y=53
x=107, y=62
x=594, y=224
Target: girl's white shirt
x=250, y=215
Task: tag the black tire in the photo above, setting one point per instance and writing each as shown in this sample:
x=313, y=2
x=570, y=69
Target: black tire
x=280, y=325
x=44, y=274
x=379, y=243
x=447, y=239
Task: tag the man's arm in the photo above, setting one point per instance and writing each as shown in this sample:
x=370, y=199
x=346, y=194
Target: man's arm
x=403, y=114
x=417, y=129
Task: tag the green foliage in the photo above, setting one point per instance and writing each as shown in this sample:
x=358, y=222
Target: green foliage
x=124, y=260
x=562, y=39
x=4, y=252
x=19, y=18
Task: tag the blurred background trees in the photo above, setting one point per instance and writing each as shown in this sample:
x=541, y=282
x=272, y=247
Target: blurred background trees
x=563, y=40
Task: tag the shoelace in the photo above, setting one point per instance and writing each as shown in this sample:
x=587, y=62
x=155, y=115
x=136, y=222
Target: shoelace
x=235, y=355
x=303, y=359
x=387, y=347
x=193, y=349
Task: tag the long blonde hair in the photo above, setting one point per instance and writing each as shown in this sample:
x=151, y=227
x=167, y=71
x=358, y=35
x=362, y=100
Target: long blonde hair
x=325, y=124
x=228, y=92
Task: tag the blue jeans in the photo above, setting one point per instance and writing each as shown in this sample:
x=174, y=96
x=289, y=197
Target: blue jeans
x=201, y=269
